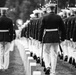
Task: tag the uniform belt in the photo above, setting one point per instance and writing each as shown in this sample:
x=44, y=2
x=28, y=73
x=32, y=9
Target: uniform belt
x=51, y=29
x=48, y=30
x=4, y=30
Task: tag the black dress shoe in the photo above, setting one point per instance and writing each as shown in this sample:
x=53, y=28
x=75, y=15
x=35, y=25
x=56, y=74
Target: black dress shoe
x=38, y=60
x=44, y=69
x=70, y=60
x=42, y=63
x=73, y=63
x=61, y=56
x=66, y=58
x=47, y=72
x=35, y=57
x=31, y=54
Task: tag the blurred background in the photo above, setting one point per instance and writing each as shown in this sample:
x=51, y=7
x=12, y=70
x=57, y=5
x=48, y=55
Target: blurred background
x=23, y=8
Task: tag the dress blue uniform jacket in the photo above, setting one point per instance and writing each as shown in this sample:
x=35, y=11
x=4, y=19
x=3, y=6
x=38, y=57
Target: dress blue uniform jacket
x=52, y=21
x=70, y=24
x=6, y=24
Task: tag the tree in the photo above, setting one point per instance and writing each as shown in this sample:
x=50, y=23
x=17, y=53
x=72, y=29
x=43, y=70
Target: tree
x=14, y=9
x=62, y=3
x=23, y=8
x=12, y=2
x=2, y=3
x=28, y=6
x=72, y=3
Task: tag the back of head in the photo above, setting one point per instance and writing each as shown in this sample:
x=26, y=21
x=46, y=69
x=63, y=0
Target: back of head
x=51, y=7
x=4, y=12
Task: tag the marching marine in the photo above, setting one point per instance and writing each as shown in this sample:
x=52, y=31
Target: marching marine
x=6, y=36
x=52, y=24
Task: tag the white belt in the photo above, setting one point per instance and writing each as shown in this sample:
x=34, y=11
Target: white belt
x=48, y=30
x=4, y=30
x=51, y=29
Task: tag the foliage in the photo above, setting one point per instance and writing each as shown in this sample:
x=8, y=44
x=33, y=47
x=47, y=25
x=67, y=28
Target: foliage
x=21, y=8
